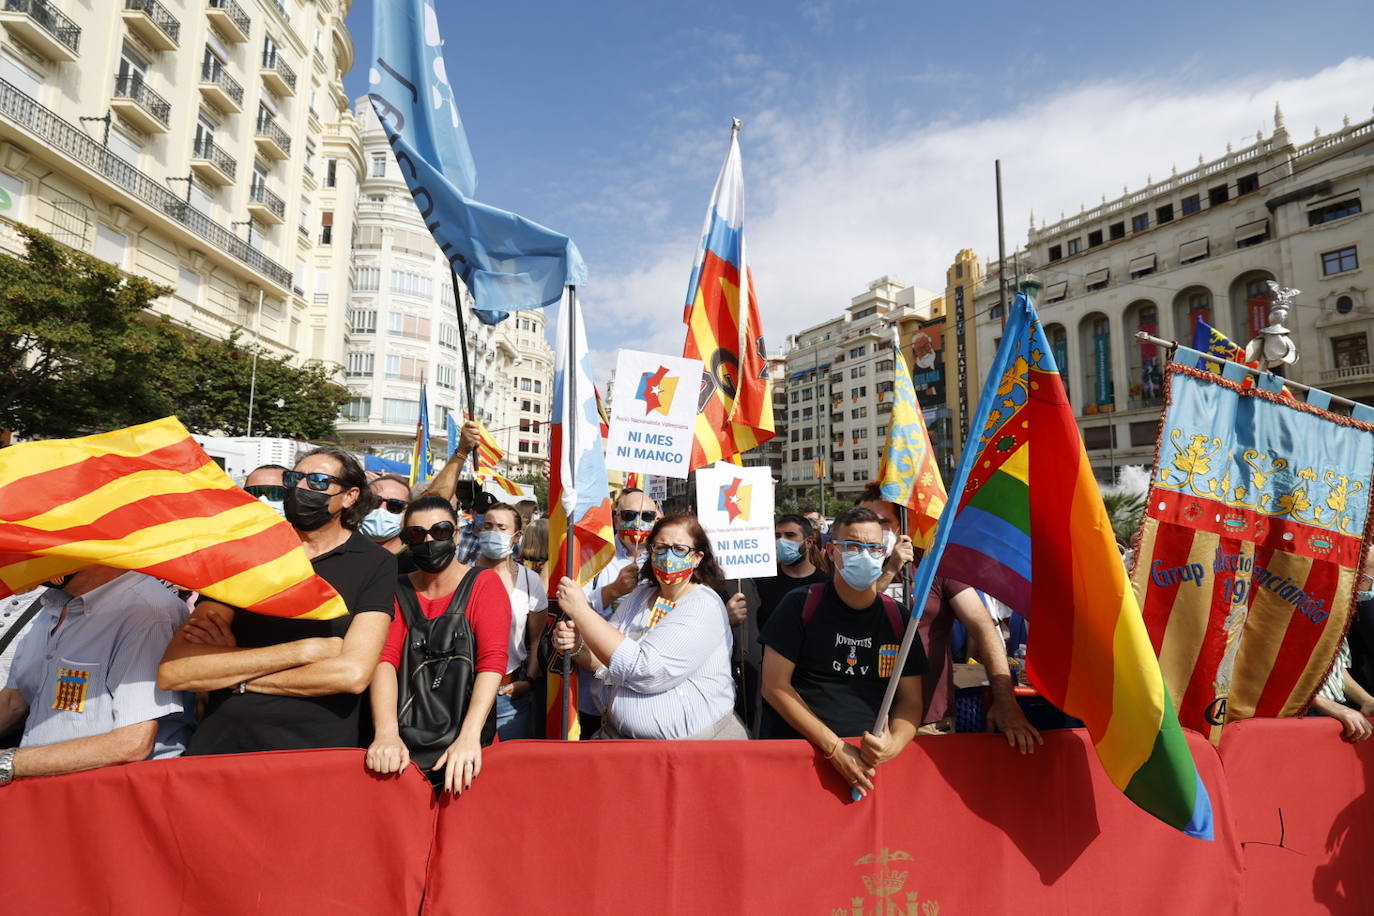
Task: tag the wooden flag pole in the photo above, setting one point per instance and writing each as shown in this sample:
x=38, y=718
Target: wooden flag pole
x=570, y=443
x=467, y=370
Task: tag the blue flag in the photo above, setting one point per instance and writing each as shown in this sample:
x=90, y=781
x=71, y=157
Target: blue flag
x=421, y=459
x=452, y=431
x=508, y=262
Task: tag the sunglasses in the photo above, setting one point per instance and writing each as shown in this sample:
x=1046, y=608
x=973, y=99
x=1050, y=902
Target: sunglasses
x=628, y=516
x=268, y=491
x=415, y=535
x=395, y=506
x=317, y=481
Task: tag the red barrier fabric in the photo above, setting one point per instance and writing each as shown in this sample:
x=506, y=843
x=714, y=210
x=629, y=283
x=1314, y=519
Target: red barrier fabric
x=1304, y=815
x=959, y=824
x=289, y=832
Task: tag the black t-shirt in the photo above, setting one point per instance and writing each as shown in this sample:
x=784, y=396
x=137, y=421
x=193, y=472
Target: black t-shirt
x=364, y=575
x=842, y=657
x=772, y=589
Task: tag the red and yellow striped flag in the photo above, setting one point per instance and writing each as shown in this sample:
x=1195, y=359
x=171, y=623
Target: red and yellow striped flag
x=488, y=452
x=724, y=332
x=148, y=498
x=505, y=483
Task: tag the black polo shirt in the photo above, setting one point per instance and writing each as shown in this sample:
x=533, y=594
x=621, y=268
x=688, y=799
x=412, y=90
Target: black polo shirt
x=364, y=575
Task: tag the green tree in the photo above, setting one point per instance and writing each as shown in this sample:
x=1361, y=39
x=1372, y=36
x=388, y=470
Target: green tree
x=1125, y=510
x=795, y=501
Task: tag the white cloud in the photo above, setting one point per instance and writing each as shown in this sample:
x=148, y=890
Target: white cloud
x=834, y=203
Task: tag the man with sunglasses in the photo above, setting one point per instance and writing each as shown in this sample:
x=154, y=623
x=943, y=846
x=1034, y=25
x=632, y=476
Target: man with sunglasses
x=264, y=484
x=383, y=524
x=634, y=517
x=279, y=683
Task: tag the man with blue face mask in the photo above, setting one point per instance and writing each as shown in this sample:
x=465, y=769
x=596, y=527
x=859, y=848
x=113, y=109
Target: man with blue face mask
x=264, y=484
x=828, y=652
x=383, y=524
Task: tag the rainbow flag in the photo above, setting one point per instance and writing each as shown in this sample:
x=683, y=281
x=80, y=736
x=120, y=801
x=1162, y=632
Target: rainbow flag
x=909, y=476
x=148, y=498
x=724, y=332
x=421, y=458
x=1030, y=529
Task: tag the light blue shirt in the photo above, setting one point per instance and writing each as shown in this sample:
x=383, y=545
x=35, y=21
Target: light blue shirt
x=586, y=700
x=97, y=670
x=671, y=681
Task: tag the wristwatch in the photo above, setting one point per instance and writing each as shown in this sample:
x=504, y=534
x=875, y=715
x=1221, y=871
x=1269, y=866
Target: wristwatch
x=7, y=766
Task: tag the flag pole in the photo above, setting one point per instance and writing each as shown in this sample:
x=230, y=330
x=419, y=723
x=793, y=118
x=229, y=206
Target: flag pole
x=570, y=443
x=467, y=370
x=1001, y=245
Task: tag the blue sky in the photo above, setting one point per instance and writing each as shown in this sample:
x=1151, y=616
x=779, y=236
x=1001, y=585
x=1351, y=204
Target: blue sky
x=870, y=127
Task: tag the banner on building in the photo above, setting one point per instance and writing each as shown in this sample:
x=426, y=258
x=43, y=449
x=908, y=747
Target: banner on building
x=1250, y=547
x=735, y=506
x=928, y=362
x=653, y=413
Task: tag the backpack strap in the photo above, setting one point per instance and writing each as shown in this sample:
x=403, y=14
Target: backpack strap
x=894, y=613
x=13, y=632
x=458, y=604
x=410, y=604
x=814, y=593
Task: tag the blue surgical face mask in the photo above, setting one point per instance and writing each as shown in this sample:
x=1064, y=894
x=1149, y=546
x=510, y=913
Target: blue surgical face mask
x=789, y=552
x=276, y=505
x=381, y=525
x=494, y=545
x=860, y=570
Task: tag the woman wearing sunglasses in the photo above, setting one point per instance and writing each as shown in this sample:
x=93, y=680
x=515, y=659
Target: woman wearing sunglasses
x=452, y=753
x=279, y=683
x=663, y=659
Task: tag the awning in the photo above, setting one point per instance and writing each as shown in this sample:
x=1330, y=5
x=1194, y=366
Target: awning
x=1144, y=262
x=1191, y=251
x=1056, y=291
x=1252, y=230
x=1097, y=276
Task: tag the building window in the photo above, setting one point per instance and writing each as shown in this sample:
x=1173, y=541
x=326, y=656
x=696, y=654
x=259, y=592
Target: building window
x=363, y=321
x=538, y=386
x=331, y=173
x=367, y=279
x=405, y=368
x=880, y=432
x=1218, y=195
x=865, y=312
x=358, y=409
x=448, y=336
x=996, y=311
x=360, y=364
x=884, y=407
x=1247, y=184
x=1056, y=253
x=1075, y=246
x=1339, y=210
x=858, y=413
x=1140, y=222
x=1345, y=305
x=445, y=376
x=858, y=372
x=327, y=227
x=1094, y=238
x=378, y=165
x=412, y=326
x=856, y=352
x=808, y=395
x=1117, y=231
x=1192, y=204
x=406, y=283
x=859, y=392
x=396, y=412
x=189, y=285
x=1334, y=262
x=885, y=365
x=1164, y=214
x=1350, y=351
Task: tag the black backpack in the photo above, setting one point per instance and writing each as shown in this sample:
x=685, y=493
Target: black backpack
x=438, y=668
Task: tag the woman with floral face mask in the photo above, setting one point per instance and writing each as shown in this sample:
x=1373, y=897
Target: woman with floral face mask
x=662, y=662
x=529, y=603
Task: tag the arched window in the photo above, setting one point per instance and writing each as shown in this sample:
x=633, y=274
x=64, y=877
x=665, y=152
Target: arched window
x=1191, y=304
x=1095, y=347
x=1145, y=362
x=1059, y=349
x=1249, y=305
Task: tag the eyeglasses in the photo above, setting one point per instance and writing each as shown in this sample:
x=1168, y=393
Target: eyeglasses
x=853, y=548
x=266, y=491
x=628, y=516
x=395, y=506
x=317, y=480
x=677, y=550
x=415, y=535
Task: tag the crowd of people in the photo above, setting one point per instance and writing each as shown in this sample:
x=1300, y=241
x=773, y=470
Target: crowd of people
x=450, y=631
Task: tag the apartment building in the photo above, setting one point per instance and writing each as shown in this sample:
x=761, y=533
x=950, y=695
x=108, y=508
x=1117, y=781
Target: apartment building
x=184, y=140
x=1204, y=243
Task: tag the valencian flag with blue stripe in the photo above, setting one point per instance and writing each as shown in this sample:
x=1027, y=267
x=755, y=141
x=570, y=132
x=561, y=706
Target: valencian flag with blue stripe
x=148, y=498
x=735, y=406
x=507, y=261
x=421, y=458
x=1029, y=528
x=909, y=476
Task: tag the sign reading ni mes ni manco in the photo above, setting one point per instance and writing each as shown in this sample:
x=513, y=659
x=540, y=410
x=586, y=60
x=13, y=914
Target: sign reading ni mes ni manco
x=735, y=506
x=1250, y=547
x=653, y=413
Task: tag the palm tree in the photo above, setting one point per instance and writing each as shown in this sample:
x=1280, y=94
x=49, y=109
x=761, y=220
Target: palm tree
x=1125, y=510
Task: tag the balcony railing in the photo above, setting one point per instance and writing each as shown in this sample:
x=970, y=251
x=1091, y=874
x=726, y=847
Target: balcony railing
x=62, y=136
x=53, y=21
x=258, y=194
x=1346, y=374
x=217, y=75
x=267, y=127
x=206, y=149
x=234, y=12
x=271, y=60
x=165, y=21
x=135, y=88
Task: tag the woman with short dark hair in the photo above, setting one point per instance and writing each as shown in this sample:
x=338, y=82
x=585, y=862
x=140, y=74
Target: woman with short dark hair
x=662, y=661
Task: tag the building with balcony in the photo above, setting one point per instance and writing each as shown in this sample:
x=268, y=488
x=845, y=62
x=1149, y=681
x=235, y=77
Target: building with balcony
x=151, y=134
x=839, y=380
x=404, y=330
x=1203, y=244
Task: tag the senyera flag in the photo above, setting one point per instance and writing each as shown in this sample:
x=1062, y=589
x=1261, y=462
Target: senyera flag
x=735, y=408
x=909, y=476
x=506, y=261
x=489, y=454
x=1031, y=530
x=148, y=498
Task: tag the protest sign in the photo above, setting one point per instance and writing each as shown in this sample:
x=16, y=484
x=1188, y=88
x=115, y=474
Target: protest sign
x=735, y=506
x=652, y=413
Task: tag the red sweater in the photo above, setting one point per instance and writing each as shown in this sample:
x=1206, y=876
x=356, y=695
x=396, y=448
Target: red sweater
x=488, y=614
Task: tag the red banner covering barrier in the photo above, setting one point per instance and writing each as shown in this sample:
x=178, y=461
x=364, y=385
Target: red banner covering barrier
x=285, y=832
x=1304, y=813
x=958, y=825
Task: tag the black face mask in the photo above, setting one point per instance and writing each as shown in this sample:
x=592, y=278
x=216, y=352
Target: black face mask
x=434, y=556
x=307, y=510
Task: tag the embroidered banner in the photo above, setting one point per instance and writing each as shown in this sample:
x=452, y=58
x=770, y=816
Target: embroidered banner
x=1257, y=510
